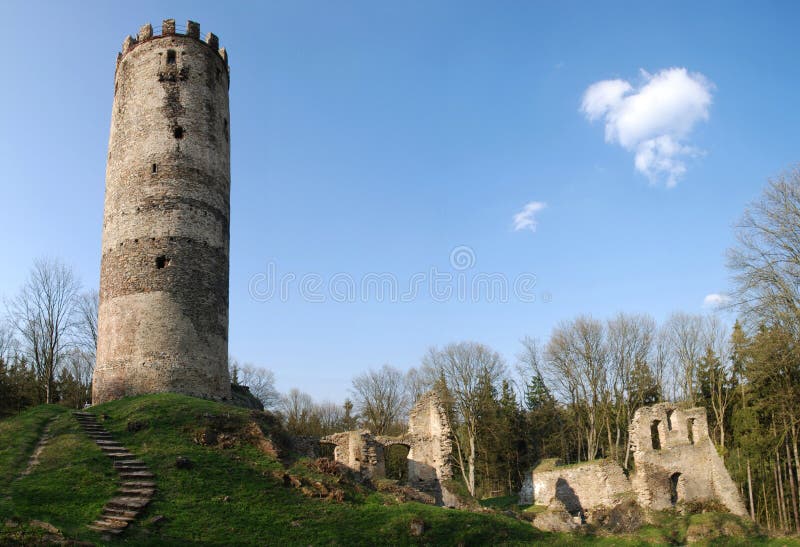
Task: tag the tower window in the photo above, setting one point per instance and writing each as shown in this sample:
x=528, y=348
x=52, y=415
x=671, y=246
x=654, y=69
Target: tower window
x=170, y=56
x=178, y=132
x=154, y=168
x=162, y=262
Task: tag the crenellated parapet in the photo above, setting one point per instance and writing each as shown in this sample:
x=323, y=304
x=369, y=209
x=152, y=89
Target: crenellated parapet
x=168, y=28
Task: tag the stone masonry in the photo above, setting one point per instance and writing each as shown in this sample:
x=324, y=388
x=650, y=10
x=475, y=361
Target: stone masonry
x=163, y=317
x=428, y=440
x=675, y=461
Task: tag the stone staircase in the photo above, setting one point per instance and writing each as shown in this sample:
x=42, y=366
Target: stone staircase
x=136, y=481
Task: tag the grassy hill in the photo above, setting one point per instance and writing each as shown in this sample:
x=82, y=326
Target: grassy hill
x=236, y=491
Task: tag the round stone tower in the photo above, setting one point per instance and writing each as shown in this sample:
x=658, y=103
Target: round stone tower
x=163, y=318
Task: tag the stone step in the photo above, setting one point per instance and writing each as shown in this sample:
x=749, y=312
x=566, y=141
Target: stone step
x=109, y=525
x=113, y=515
x=137, y=475
x=129, y=462
x=143, y=492
x=138, y=484
x=104, y=442
x=119, y=455
x=111, y=446
x=128, y=503
x=120, y=513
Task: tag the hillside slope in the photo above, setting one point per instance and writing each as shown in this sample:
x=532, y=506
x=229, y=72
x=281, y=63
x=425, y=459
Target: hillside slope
x=230, y=488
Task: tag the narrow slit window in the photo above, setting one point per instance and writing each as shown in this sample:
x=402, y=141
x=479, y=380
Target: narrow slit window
x=690, y=430
x=655, y=437
x=162, y=262
x=178, y=132
x=669, y=420
x=154, y=169
x=170, y=56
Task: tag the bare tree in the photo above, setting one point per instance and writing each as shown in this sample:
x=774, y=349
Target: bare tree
x=297, y=408
x=381, y=398
x=630, y=343
x=465, y=368
x=684, y=336
x=577, y=362
x=86, y=307
x=8, y=344
x=718, y=373
x=44, y=316
x=766, y=258
x=261, y=382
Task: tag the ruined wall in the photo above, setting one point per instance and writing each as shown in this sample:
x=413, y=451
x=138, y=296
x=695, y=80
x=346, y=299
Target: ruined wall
x=360, y=452
x=163, y=316
x=580, y=487
x=677, y=461
x=428, y=440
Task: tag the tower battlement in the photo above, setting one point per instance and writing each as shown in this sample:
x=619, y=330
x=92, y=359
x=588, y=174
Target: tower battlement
x=168, y=28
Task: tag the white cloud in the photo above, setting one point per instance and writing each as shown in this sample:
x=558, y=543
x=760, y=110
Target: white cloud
x=526, y=219
x=653, y=120
x=715, y=300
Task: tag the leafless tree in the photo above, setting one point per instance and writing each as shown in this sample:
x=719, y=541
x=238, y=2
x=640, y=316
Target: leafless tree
x=8, y=343
x=720, y=376
x=381, y=398
x=577, y=363
x=86, y=307
x=297, y=408
x=684, y=336
x=630, y=343
x=44, y=316
x=331, y=417
x=261, y=382
x=766, y=258
x=465, y=367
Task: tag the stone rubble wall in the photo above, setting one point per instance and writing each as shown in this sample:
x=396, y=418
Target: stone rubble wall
x=675, y=461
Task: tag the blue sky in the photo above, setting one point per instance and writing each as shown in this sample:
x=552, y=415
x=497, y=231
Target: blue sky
x=377, y=137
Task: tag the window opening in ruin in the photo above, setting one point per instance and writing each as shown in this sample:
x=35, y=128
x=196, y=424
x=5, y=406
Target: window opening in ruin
x=170, y=56
x=326, y=450
x=654, y=435
x=155, y=168
x=396, y=461
x=162, y=262
x=673, y=488
x=178, y=132
x=690, y=430
x=669, y=420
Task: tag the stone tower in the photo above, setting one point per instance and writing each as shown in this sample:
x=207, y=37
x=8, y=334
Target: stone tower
x=163, y=318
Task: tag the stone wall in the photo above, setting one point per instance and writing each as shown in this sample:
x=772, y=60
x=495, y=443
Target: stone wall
x=580, y=487
x=163, y=315
x=674, y=458
x=428, y=440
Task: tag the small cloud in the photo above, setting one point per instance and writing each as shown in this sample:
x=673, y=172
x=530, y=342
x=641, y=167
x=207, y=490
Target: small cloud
x=653, y=120
x=716, y=300
x=526, y=219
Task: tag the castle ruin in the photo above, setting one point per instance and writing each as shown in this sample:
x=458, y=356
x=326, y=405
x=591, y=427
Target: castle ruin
x=163, y=316
x=675, y=462
x=429, y=450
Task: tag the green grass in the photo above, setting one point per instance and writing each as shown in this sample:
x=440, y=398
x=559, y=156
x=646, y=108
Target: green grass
x=71, y=483
x=18, y=437
x=237, y=495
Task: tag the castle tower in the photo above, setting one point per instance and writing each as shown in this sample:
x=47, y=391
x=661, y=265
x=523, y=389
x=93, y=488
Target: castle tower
x=163, y=318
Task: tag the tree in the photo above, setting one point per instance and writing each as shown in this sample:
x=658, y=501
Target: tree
x=297, y=408
x=766, y=258
x=577, y=362
x=44, y=316
x=261, y=382
x=464, y=369
x=685, y=345
x=381, y=399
